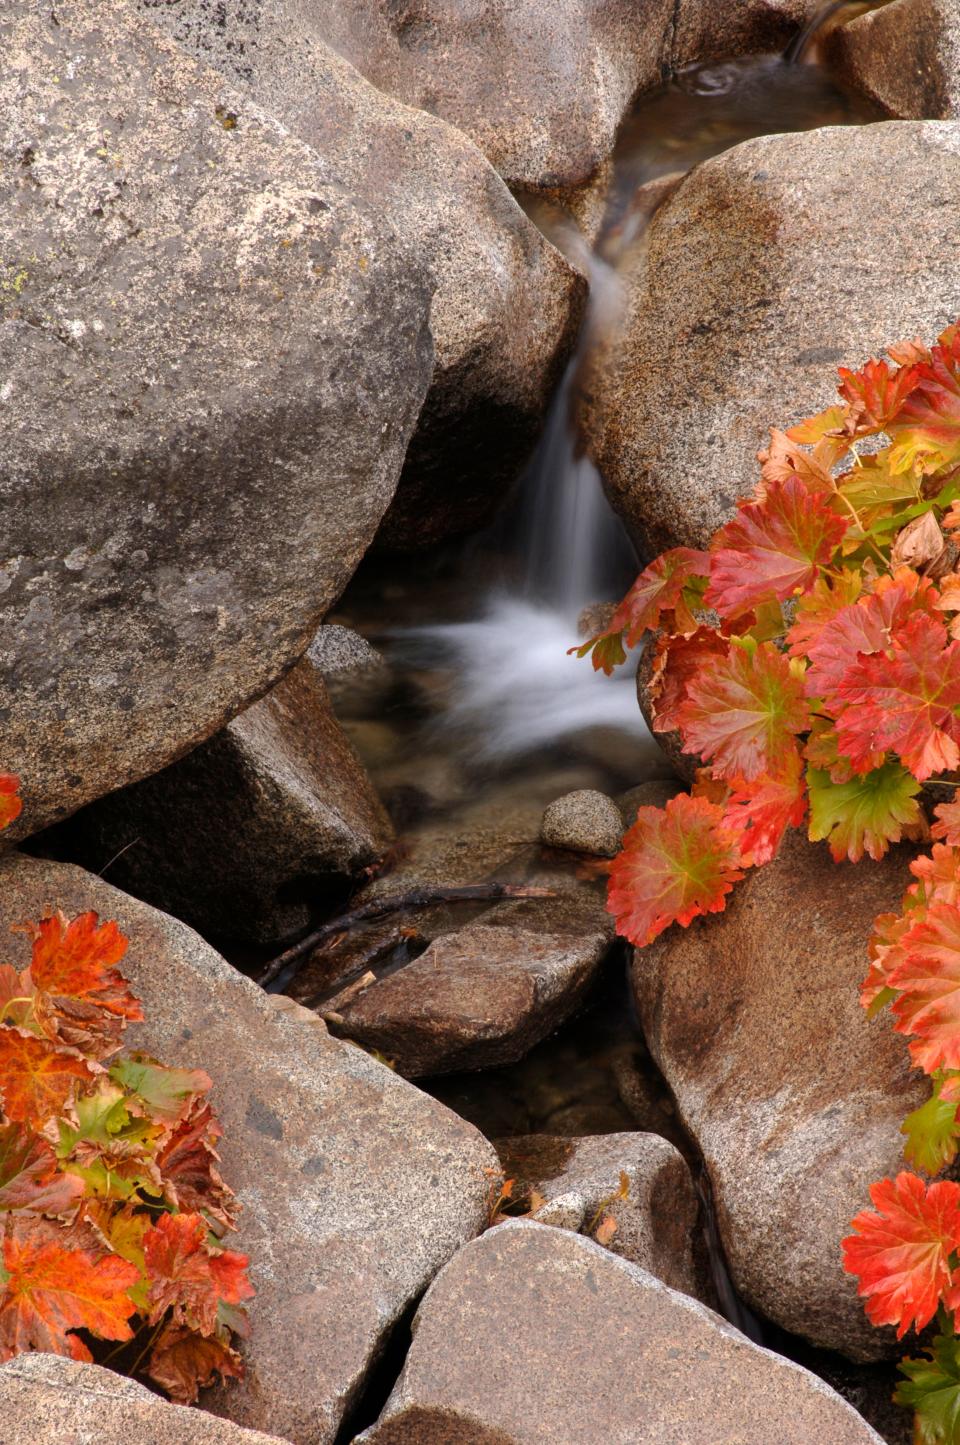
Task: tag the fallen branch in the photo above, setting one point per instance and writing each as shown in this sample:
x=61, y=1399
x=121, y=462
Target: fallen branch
x=395, y=903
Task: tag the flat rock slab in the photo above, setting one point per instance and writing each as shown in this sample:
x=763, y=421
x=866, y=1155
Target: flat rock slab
x=478, y=997
x=251, y=831
x=212, y=358
x=47, y=1400
x=580, y=1181
x=767, y=268
x=536, y=1336
x=356, y=1187
x=794, y=1097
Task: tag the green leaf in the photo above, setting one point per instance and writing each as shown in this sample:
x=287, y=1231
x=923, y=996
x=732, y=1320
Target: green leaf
x=932, y=1389
x=866, y=814
x=931, y=1134
x=166, y=1092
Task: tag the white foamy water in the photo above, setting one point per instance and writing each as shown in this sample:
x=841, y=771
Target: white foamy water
x=517, y=689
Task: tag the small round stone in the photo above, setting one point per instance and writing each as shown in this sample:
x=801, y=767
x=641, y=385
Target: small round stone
x=583, y=822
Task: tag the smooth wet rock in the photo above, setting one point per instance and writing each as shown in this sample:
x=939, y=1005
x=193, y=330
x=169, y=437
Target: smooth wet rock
x=358, y=678
x=793, y=1095
x=539, y=85
x=770, y=266
x=655, y=794
x=252, y=832
x=212, y=357
x=505, y=305
x=584, y=821
x=537, y=1336
x=579, y=1180
x=356, y=1188
x=905, y=57
x=476, y=998
x=49, y=1400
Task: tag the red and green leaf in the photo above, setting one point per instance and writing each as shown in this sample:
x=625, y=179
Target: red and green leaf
x=677, y=862
x=864, y=815
x=742, y=711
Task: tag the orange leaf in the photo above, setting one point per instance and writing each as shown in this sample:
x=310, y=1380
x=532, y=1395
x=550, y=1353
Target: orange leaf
x=772, y=549
x=758, y=813
x=183, y=1362
x=188, y=1276
x=37, y=1079
x=928, y=982
x=29, y=1175
x=187, y=1164
x=948, y=826
x=902, y=1253
x=47, y=1290
x=76, y=960
x=11, y=805
x=742, y=711
x=677, y=862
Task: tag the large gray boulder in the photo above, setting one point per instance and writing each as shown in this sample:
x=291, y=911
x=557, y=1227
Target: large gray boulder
x=539, y=85
x=356, y=1188
x=211, y=360
x=905, y=57
x=505, y=303
x=48, y=1400
x=794, y=1097
x=768, y=267
x=537, y=1336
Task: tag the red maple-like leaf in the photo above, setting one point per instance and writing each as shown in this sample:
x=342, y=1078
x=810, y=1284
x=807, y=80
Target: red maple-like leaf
x=886, y=954
x=38, y=1078
x=189, y=1277
x=926, y=433
x=76, y=960
x=677, y=662
x=30, y=1178
x=902, y=1253
x=928, y=984
x=939, y=875
x=677, y=862
x=866, y=626
x=904, y=700
x=758, y=813
x=742, y=711
x=659, y=589
x=947, y=826
x=772, y=550
x=11, y=805
x=183, y=1362
x=48, y=1290
x=875, y=394
x=188, y=1167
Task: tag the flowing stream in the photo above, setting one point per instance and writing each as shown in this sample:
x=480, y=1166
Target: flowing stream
x=561, y=549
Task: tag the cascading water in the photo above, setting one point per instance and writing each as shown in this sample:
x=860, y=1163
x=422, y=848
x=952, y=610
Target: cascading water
x=517, y=688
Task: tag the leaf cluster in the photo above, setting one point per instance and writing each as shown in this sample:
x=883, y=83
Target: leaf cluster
x=112, y=1207
x=810, y=657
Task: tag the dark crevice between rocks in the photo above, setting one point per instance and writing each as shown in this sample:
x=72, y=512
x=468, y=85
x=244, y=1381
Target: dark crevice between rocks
x=380, y=1379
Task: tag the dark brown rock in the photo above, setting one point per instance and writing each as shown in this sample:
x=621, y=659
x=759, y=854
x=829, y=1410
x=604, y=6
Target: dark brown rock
x=794, y=1097
x=355, y=1187
x=705, y=31
x=47, y=1400
x=245, y=836
x=505, y=303
x=905, y=56
x=211, y=360
x=537, y=1336
x=579, y=1181
x=768, y=267
x=478, y=997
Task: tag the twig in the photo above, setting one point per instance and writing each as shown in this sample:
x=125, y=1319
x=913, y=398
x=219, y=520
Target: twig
x=394, y=903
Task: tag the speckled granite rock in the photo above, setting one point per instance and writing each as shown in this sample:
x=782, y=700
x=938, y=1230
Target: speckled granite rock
x=505, y=304
x=356, y=1188
x=211, y=361
x=537, y=1336
x=905, y=56
x=794, y=1097
x=768, y=267
x=583, y=822
x=47, y=1400
x=655, y=1226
